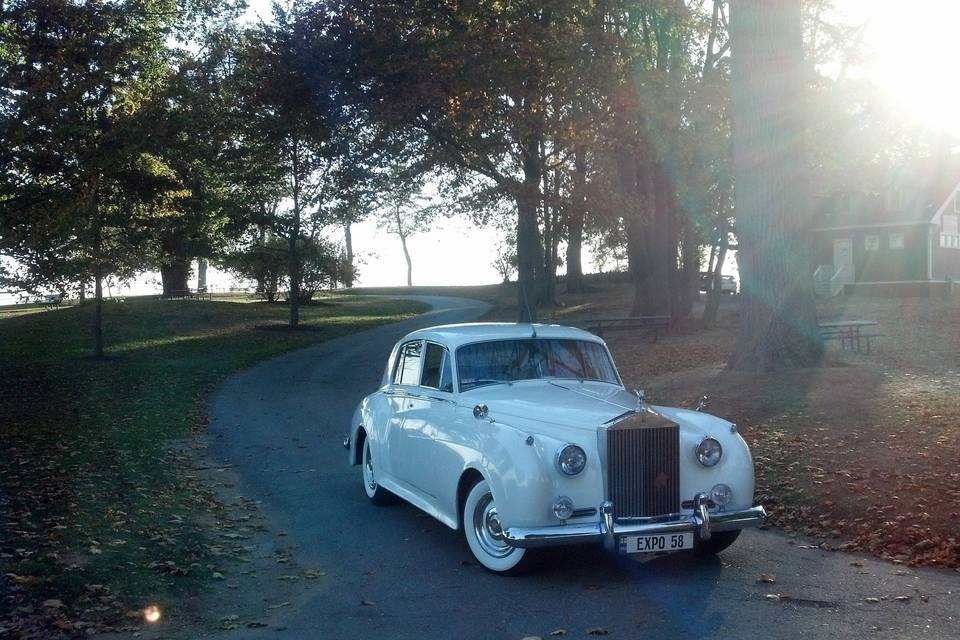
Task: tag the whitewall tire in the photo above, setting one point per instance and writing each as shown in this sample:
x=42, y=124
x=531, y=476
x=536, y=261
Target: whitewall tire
x=481, y=527
x=377, y=494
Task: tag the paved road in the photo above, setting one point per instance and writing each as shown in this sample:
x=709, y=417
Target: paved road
x=281, y=425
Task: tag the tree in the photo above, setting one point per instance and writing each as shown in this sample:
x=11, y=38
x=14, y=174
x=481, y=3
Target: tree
x=404, y=211
x=482, y=88
x=290, y=145
x=79, y=184
x=505, y=258
x=778, y=322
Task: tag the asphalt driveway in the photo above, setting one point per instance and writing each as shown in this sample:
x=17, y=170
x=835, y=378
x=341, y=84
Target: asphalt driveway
x=396, y=573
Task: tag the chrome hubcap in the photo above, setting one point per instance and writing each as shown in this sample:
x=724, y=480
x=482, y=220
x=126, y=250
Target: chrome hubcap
x=487, y=527
x=368, y=476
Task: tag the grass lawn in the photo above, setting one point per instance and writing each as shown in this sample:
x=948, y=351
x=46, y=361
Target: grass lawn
x=100, y=515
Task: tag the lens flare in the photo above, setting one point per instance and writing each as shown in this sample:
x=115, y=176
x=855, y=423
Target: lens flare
x=151, y=613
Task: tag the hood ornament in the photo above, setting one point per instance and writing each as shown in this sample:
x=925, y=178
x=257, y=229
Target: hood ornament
x=703, y=403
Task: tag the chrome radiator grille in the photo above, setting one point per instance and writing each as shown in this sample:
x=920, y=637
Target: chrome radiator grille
x=643, y=471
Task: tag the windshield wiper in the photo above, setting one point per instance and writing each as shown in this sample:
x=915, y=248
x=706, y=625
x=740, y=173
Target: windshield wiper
x=483, y=382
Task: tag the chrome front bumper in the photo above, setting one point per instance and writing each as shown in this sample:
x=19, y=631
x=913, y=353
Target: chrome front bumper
x=701, y=522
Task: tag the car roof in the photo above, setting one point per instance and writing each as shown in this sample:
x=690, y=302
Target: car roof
x=455, y=335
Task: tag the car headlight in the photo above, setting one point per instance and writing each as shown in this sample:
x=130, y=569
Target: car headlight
x=571, y=460
x=709, y=452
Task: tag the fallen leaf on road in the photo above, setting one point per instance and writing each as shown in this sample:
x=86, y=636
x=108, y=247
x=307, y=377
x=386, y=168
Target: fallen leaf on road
x=872, y=600
x=766, y=578
x=52, y=604
x=313, y=574
x=277, y=606
x=367, y=603
x=597, y=631
x=558, y=632
x=902, y=598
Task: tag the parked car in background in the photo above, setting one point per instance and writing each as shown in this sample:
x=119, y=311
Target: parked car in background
x=524, y=436
x=728, y=284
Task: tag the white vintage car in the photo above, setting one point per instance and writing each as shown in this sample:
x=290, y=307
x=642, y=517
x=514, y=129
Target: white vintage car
x=524, y=436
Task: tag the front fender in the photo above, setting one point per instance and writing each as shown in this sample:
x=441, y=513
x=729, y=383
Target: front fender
x=520, y=466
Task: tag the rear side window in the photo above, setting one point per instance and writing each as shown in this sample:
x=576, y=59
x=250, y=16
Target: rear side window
x=407, y=370
x=436, y=369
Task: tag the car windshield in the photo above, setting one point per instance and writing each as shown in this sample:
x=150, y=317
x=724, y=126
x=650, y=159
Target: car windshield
x=533, y=358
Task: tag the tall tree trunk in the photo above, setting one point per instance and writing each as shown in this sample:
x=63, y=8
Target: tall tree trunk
x=175, y=275
x=778, y=320
x=348, y=241
x=689, y=276
x=575, y=221
x=528, y=237
x=83, y=291
x=715, y=292
x=201, y=274
x=403, y=243
x=652, y=247
x=98, y=311
x=294, y=269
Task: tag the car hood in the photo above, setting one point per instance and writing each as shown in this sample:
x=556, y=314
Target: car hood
x=568, y=403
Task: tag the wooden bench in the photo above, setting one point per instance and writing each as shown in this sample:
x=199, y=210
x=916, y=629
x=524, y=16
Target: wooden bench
x=651, y=326
x=199, y=294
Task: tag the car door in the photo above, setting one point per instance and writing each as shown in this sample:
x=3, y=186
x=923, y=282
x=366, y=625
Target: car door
x=429, y=411
x=405, y=380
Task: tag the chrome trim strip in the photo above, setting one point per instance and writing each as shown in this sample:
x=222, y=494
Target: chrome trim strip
x=609, y=530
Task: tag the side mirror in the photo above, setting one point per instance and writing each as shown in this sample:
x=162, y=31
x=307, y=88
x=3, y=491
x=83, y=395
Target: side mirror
x=703, y=403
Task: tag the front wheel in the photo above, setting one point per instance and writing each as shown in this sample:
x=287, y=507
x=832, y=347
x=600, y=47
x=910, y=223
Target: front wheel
x=377, y=494
x=719, y=541
x=484, y=534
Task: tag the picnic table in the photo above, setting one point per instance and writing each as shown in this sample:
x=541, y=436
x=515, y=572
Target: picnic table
x=852, y=334
x=652, y=326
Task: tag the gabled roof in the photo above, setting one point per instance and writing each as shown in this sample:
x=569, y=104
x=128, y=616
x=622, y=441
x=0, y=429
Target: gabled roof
x=912, y=195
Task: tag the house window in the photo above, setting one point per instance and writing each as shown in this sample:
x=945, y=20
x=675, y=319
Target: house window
x=896, y=241
x=950, y=225
x=871, y=243
x=950, y=241
x=956, y=204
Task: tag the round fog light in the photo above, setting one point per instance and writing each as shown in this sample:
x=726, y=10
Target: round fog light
x=721, y=495
x=563, y=508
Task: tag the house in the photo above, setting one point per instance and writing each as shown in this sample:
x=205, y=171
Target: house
x=905, y=237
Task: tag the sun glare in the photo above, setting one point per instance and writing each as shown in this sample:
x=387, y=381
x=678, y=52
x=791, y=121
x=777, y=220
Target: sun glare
x=911, y=54
x=152, y=613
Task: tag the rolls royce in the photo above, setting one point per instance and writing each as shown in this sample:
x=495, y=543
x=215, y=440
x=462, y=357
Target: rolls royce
x=524, y=436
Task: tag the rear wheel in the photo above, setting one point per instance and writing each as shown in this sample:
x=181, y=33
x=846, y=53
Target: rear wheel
x=377, y=494
x=719, y=541
x=484, y=534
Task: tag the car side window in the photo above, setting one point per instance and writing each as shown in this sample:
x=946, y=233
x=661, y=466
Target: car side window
x=407, y=368
x=436, y=369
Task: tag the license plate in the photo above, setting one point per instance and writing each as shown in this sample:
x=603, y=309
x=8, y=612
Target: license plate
x=657, y=543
